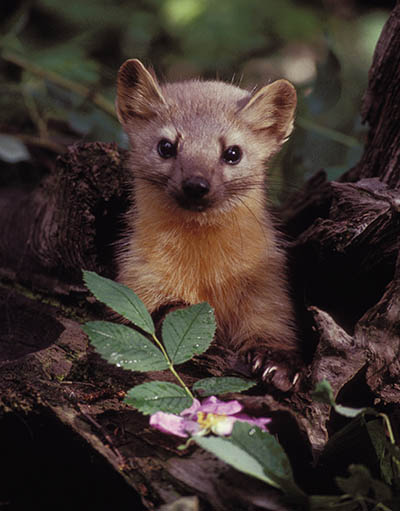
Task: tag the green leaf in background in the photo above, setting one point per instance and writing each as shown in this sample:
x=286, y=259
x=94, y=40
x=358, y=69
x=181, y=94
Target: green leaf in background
x=221, y=385
x=125, y=347
x=158, y=396
x=188, y=332
x=62, y=59
x=361, y=483
x=358, y=483
x=335, y=502
x=263, y=447
x=381, y=444
x=323, y=393
x=121, y=299
x=233, y=455
x=12, y=149
x=328, y=84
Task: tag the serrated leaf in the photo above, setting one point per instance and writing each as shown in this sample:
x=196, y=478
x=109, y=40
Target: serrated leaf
x=121, y=299
x=233, y=455
x=188, y=332
x=158, y=396
x=263, y=447
x=125, y=347
x=221, y=385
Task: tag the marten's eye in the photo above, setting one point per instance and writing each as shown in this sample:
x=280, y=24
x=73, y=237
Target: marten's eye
x=166, y=149
x=232, y=155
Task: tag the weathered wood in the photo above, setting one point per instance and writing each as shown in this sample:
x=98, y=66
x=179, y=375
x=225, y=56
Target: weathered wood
x=70, y=222
x=381, y=110
x=345, y=265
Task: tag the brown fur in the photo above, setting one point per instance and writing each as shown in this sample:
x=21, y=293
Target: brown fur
x=224, y=250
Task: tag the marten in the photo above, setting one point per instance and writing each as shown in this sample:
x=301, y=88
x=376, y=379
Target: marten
x=199, y=228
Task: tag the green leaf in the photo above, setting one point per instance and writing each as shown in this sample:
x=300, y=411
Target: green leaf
x=335, y=502
x=327, y=88
x=125, y=347
x=323, y=393
x=121, y=299
x=233, y=455
x=377, y=434
x=346, y=411
x=382, y=491
x=62, y=59
x=188, y=332
x=12, y=150
x=263, y=447
x=216, y=386
x=158, y=396
x=358, y=483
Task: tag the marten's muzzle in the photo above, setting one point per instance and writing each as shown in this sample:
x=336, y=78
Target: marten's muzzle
x=194, y=193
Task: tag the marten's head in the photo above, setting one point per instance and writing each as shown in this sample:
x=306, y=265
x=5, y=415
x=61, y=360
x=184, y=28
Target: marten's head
x=204, y=144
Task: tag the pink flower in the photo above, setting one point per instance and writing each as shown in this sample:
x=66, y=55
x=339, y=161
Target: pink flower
x=212, y=415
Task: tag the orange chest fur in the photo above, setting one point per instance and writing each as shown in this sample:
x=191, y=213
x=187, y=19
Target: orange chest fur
x=193, y=263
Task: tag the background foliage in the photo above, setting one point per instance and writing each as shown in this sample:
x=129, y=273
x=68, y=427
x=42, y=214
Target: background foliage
x=60, y=60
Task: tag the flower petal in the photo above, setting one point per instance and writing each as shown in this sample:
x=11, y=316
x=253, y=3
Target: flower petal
x=214, y=405
x=192, y=427
x=168, y=423
x=192, y=410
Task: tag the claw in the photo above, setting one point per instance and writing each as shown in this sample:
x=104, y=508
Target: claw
x=268, y=371
x=295, y=379
x=256, y=364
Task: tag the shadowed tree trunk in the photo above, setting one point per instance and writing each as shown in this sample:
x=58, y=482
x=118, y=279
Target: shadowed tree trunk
x=346, y=278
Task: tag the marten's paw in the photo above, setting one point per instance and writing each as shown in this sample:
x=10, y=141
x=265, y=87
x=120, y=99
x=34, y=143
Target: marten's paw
x=278, y=368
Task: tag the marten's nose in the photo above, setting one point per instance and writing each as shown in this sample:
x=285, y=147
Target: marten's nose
x=195, y=187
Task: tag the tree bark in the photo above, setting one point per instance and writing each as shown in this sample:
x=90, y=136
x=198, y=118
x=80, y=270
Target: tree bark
x=345, y=267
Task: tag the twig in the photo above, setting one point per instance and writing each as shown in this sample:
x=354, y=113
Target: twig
x=40, y=142
x=79, y=89
x=330, y=133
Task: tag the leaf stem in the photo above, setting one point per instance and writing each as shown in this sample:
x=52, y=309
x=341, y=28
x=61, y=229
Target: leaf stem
x=171, y=367
x=391, y=438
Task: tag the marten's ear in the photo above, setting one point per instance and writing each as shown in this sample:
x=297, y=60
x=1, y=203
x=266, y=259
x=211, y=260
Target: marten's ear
x=138, y=92
x=271, y=109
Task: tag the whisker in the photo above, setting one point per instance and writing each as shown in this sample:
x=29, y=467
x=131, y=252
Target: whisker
x=151, y=177
x=260, y=224
x=235, y=219
x=242, y=185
